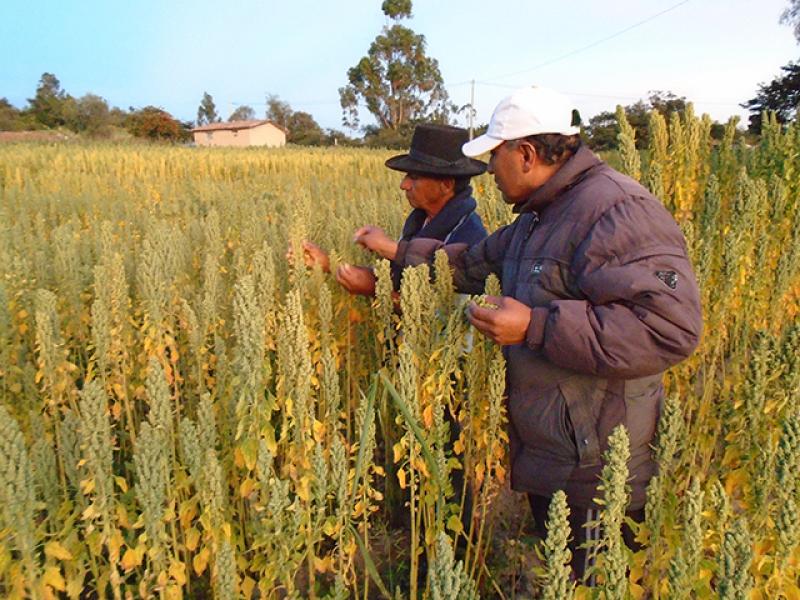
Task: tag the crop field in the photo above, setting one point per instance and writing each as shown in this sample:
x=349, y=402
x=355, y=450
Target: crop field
x=185, y=412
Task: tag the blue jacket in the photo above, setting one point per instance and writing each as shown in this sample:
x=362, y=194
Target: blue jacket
x=456, y=223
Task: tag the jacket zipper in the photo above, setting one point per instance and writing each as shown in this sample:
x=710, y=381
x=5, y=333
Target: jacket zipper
x=531, y=227
x=521, y=250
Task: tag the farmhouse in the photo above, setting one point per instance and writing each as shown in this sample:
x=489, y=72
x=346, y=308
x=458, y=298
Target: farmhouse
x=240, y=133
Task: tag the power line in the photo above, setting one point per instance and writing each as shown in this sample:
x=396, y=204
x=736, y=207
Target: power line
x=592, y=45
x=612, y=96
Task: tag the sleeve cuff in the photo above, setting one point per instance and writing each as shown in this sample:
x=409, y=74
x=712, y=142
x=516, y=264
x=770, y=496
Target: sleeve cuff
x=534, y=337
x=400, y=255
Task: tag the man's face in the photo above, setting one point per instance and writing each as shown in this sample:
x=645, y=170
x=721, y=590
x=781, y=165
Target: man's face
x=505, y=163
x=421, y=191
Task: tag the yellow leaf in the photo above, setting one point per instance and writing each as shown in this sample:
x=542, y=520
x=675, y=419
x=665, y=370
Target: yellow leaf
x=174, y=592
x=790, y=590
x=74, y=587
x=398, y=451
x=247, y=487
x=114, y=543
x=323, y=565
x=200, y=561
x=319, y=431
x=427, y=416
x=192, y=539
x=637, y=591
x=401, y=478
x=89, y=513
x=121, y=483
x=330, y=527
x=122, y=516
x=454, y=524
x=177, y=570
x=250, y=453
x=248, y=585
x=131, y=559
x=303, y=487
x=187, y=512
x=57, y=551
x=52, y=577
x=5, y=559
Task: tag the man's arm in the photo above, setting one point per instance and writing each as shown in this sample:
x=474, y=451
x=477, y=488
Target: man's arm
x=642, y=310
x=471, y=264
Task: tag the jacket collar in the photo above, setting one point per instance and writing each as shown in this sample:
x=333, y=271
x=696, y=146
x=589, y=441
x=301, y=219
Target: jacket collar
x=443, y=223
x=567, y=176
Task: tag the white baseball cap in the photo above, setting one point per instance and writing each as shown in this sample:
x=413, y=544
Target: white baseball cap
x=528, y=111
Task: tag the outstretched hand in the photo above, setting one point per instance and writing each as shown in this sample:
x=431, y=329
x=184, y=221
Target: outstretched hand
x=375, y=239
x=356, y=280
x=505, y=325
x=312, y=255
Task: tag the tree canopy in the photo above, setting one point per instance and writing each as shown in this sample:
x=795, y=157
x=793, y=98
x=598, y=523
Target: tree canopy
x=301, y=127
x=602, y=128
x=397, y=81
x=791, y=16
x=242, y=113
x=48, y=105
x=207, y=111
x=155, y=124
x=781, y=95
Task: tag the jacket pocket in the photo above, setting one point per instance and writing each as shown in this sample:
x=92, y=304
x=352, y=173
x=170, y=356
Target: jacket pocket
x=642, y=408
x=542, y=422
x=584, y=400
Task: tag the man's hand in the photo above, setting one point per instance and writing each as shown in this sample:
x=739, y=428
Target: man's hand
x=356, y=280
x=375, y=239
x=505, y=325
x=312, y=255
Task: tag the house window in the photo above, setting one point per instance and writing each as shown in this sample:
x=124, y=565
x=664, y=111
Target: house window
x=235, y=132
x=209, y=136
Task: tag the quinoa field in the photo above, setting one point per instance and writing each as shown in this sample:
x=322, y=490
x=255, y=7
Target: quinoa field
x=185, y=412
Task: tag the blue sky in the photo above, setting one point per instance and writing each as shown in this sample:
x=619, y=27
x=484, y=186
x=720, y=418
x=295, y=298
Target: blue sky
x=168, y=52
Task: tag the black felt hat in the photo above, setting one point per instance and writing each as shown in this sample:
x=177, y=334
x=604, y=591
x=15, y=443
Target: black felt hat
x=436, y=150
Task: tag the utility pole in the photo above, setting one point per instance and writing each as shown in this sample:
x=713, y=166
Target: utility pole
x=471, y=107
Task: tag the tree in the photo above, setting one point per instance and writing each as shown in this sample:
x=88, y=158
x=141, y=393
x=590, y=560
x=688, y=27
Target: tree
x=602, y=128
x=92, y=116
x=397, y=81
x=47, y=106
x=791, y=16
x=242, y=113
x=304, y=130
x=10, y=116
x=207, y=111
x=300, y=126
x=278, y=111
x=154, y=124
x=781, y=95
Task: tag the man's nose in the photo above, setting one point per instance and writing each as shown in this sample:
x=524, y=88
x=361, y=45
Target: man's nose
x=405, y=183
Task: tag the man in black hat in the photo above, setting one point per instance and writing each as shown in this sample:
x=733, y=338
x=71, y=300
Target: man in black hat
x=436, y=184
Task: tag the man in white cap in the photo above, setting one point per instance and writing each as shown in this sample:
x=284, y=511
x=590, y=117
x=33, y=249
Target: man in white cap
x=599, y=299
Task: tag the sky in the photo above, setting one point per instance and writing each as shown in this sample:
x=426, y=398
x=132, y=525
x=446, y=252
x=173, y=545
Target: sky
x=168, y=52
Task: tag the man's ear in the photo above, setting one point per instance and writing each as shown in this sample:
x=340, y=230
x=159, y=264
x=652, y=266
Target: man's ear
x=448, y=184
x=528, y=153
